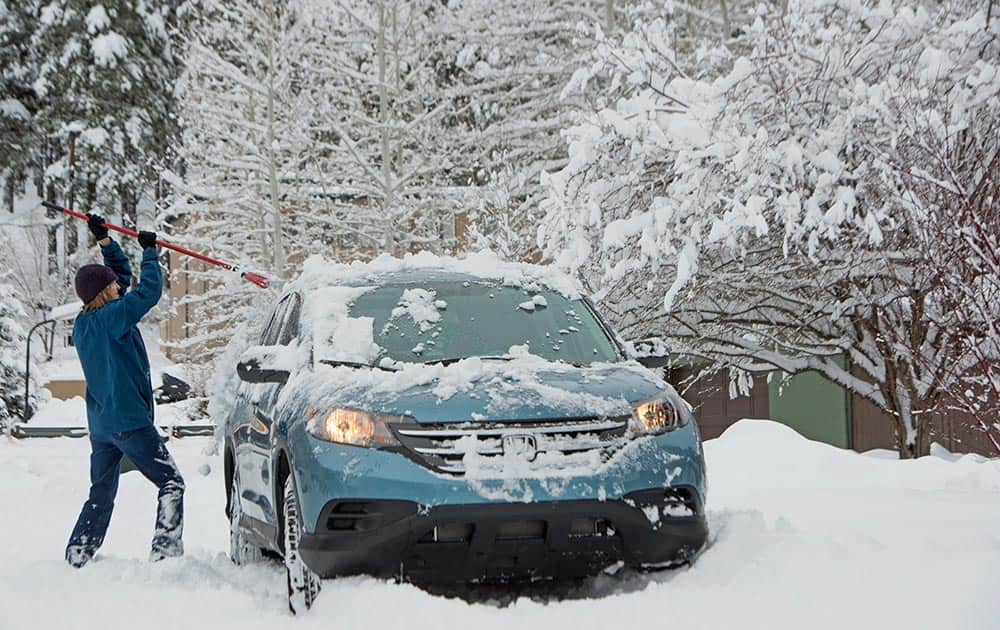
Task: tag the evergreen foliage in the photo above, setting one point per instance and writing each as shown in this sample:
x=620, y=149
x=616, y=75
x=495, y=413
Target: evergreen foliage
x=13, y=336
x=103, y=87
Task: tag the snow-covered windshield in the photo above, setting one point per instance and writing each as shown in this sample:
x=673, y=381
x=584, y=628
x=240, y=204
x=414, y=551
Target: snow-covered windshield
x=455, y=320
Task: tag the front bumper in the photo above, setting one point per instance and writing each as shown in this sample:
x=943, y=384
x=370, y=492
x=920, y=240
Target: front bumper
x=325, y=471
x=505, y=541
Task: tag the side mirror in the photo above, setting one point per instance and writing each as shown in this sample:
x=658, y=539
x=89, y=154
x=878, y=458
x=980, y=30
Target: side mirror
x=263, y=364
x=651, y=352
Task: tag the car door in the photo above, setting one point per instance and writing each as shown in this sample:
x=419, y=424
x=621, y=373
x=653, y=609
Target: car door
x=265, y=412
x=250, y=436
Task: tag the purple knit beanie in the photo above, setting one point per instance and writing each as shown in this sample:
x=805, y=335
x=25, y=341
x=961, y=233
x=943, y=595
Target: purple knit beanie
x=91, y=280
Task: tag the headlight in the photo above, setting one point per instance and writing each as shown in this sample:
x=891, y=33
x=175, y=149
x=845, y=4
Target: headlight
x=354, y=427
x=654, y=417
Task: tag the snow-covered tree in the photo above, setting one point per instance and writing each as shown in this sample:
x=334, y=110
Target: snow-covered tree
x=960, y=246
x=18, y=66
x=245, y=145
x=422, y=102
x=379, y=119
x=249, y=187
x=13, y=336
x=505, y=67
x=765, y=219
x=502, y=68
x=104, y=99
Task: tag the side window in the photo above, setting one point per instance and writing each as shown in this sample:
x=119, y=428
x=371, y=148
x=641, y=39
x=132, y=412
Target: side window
x=290, y=319
x=270, y=335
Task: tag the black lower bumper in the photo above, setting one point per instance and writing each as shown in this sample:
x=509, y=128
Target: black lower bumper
x=503, y=542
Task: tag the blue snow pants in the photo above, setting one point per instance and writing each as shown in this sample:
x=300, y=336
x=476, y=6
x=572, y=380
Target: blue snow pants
x=150, y=456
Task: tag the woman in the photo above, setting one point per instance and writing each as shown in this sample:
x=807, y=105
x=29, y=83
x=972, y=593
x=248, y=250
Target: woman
x=120, y=396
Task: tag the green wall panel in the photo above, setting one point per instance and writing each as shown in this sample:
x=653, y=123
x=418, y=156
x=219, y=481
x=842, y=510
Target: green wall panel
x=813, y=406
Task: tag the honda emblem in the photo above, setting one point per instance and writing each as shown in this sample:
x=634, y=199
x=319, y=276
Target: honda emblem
x=523, y=446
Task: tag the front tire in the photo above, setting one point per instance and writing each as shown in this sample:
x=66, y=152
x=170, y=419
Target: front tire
x=303, y=584
x=241, y=550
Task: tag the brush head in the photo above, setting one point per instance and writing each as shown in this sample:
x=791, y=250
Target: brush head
x=257, y=279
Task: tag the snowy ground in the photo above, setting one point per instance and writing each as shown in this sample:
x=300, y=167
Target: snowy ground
x=805, y=535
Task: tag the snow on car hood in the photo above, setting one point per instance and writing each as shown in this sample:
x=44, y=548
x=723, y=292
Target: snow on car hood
x=522, y=388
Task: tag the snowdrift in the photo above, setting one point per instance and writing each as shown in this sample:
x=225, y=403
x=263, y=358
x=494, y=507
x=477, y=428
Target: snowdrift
x=777, y=457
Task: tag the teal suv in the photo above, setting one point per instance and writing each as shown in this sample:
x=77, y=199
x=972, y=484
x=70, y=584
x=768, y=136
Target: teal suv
x=406, y=419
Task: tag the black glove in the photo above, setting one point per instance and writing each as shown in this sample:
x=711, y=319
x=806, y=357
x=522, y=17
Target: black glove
x=96, y=224
x=147, y=239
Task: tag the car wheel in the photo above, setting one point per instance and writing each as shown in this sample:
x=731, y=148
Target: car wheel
x=303, y=584
x=241, y=550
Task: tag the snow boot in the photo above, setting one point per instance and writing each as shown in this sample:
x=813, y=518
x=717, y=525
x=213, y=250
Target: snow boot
x=163, y=551
x=78, y=555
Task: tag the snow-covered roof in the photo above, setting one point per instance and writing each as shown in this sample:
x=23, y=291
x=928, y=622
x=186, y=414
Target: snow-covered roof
x=65, y=311
x=318, y=272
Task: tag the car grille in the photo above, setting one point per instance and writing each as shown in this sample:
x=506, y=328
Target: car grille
x=448, y=448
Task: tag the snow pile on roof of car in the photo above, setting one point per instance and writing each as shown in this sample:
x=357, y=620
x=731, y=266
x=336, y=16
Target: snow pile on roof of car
x=318, y=272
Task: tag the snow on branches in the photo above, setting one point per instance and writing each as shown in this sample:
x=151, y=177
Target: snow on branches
x=348, y=128
x=100, y=100
x=13, y=337
x=767, y=218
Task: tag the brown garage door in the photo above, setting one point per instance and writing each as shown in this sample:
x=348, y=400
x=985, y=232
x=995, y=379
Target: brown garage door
x=713, y=407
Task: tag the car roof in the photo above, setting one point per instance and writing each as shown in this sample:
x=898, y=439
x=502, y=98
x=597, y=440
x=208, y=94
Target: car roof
x=424, y=267
x=412, y=277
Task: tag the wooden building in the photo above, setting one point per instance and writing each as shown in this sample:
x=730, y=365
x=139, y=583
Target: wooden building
x=819, y=410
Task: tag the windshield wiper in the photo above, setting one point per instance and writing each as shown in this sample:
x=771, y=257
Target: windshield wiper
x=356, y=365
x=457, y=359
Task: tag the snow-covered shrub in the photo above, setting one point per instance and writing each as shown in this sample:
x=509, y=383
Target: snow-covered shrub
x=766, y=219
x=13, y=336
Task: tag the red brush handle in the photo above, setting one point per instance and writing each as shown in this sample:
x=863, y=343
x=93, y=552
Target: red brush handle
x=254, y=278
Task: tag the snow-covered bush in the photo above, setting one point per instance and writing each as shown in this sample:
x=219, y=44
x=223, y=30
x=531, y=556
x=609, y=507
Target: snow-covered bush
x=13, y=336
x=767, y=218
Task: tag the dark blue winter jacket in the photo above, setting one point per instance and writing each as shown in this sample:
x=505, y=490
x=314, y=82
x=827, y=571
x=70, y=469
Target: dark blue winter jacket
x=115, y=365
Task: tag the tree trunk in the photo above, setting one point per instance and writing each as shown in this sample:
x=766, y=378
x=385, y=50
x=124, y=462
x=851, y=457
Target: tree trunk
x=53, y=232
x=383, y=105
x=8, y=192
x=70, y=240
x=918, y=442
x=272, y=171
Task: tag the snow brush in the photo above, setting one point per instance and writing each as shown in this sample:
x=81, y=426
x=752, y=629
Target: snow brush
x=249, y=276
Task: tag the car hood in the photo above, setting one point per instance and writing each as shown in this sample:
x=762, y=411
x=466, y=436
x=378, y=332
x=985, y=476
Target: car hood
x=482, y=390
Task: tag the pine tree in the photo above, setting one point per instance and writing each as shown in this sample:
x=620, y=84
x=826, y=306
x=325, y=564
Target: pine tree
x=18, y=67
x=105, y=99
